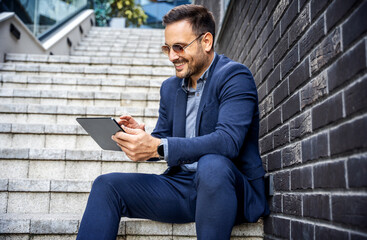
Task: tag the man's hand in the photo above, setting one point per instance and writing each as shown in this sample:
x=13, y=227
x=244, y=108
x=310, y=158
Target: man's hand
x=137, y=144
x=130, y=122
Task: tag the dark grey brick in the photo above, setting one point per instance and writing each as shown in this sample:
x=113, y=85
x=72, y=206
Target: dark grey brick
x=292, y=204
x=314, y=90
x=316, y=206
x=327, y=112
x=279, y=10
x=267, y=67
x=354, y=236
x=263, y=127
x=337, y=10
x=317, y=6
x=291, y=155
x=350, y=210
x=274, y=161
x=281, y=136
x=268, y=29
x=275, y=119
x=315, y=148
x=276, y=205
x=329, y=175
x=301, y=178
x=266, y=144
x=289, y=16
x=281, y=49
x=357, y=171
x=302, y=230
x=311, y=37
x=272, y=4
x=274, y=38
x=300, y=126
x=258, y=79
x=322, y=233
x=353, y=60
x=281, y=227
x=268, y=225
x=281, y=92
x=326, y=51
x=289, y=61
x=299, y=76
x=302, y=3
x=354, y=27
x=265, y=163
x=299, y=25
x=291, y=107
x=349, y=137
x=281, y=181
x=261, y=91
x=273, y=79
x=261, y=58
x=356, y=97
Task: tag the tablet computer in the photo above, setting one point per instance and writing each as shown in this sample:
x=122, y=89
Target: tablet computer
x=101, y=129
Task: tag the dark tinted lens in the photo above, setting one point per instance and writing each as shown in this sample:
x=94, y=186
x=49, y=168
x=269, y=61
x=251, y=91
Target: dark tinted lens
x=177, y=48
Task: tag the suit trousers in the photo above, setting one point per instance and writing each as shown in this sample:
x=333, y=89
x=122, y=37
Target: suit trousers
x=212, y=197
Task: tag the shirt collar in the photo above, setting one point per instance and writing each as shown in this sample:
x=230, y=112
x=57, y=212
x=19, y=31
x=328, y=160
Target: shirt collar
x=185, y=81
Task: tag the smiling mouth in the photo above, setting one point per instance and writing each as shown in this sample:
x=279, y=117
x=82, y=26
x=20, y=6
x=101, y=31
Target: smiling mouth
x=179, y=66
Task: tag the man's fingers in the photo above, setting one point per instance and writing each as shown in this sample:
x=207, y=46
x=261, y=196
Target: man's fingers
x=131, y=130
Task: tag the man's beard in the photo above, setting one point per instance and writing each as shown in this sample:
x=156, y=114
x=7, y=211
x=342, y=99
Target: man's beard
x=192, y=68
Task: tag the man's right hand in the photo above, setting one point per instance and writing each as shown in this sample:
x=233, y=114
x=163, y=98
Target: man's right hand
x=130, y=122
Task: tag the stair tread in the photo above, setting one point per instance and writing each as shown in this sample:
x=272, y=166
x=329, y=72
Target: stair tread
x=76, y=110
x=85, y=60
x=69, y=223
x=66, y=154
x=78, y=94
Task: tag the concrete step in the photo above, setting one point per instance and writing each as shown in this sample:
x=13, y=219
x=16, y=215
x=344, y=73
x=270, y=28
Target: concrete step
x=26, y=196
x=65, y=226
x=67, y=164
x=57, y=136
x=111, y=53
x=53, y=114
x=113, y=47
x=82, y=70
x=66, y=59
x=79, y=98
x=52, y=82
x=120, y=45
x=126, y=32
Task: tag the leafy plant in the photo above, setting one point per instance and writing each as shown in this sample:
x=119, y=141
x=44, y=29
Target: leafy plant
x=105, y=9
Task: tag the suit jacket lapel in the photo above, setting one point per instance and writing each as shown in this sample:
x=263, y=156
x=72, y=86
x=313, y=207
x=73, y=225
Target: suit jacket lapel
x=204, y=97
x=179, y=115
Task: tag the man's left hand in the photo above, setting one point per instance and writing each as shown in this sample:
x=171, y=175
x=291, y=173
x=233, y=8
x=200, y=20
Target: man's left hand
x=137, y=144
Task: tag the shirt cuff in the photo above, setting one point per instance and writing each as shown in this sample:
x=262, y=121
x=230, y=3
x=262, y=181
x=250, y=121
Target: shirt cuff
x=164, y=141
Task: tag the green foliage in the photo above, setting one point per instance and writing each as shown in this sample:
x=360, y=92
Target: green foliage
x=106, y=9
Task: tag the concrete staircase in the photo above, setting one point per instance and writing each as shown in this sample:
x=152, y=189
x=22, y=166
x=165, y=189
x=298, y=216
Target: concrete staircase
x=48, y=162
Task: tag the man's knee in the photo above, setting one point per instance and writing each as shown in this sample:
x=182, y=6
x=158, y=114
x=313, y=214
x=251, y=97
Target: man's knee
x=215, y=170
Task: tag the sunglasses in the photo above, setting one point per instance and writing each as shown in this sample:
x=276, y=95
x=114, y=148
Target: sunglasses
x=178, y=48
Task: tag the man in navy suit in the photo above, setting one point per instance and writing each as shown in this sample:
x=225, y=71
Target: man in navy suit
x=207, y=131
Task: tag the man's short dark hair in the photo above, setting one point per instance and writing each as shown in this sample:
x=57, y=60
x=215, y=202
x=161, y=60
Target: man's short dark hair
x=201, y=18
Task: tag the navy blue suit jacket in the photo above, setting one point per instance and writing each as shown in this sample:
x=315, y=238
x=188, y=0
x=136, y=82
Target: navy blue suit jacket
x=227, y=124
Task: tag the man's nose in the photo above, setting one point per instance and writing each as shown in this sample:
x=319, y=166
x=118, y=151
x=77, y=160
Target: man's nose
x=173, y=56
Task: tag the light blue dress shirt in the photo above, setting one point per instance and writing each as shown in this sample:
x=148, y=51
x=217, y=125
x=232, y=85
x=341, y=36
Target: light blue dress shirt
x=193, y=102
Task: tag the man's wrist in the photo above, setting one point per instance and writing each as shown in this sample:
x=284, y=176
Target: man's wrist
x=156, y=144
x=160, y=150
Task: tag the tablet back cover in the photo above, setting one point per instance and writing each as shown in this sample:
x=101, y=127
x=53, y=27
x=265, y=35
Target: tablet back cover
x=101, y=130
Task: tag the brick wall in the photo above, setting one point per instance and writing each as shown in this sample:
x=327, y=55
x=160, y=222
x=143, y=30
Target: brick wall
x=308, y=58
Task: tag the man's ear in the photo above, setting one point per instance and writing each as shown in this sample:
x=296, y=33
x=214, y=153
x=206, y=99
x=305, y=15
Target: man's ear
x=207, y=42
